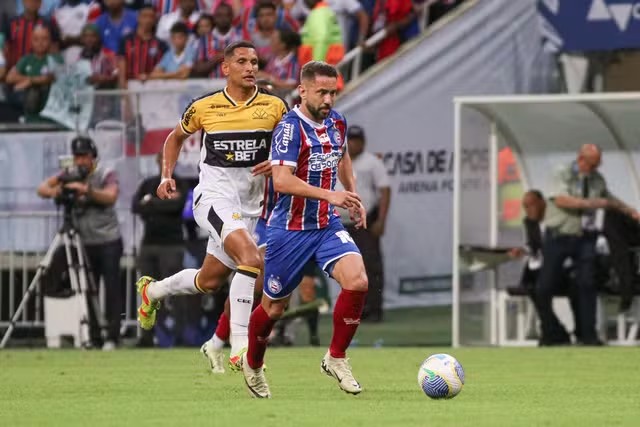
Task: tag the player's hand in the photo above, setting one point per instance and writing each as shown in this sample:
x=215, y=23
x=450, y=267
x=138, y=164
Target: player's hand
x=167, y=189
x=359, y=215
x=344, y=199
x=263, y=168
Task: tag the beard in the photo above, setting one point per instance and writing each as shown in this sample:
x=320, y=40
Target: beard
x=318, y=113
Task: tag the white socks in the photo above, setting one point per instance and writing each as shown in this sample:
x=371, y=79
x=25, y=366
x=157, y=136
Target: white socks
x=241, y=300
x=217, y=343
x=181, y=283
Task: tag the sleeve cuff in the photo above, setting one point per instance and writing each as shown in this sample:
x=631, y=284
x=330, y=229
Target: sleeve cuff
x=283, y=163
x=184, y=130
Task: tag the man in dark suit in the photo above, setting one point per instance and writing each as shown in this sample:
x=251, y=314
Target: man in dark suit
x=535, y=206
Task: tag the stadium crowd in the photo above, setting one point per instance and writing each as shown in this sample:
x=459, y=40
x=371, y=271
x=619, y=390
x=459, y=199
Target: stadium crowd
x=178, y=39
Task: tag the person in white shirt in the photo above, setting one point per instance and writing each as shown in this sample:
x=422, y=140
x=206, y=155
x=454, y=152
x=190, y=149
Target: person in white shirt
x=186, y=12
x=372, y=184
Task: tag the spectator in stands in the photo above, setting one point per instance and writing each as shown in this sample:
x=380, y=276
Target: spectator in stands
x=104, y=63
x=372, y=184
x=204, y=25
x=141, y=51
x=283, y=70
x=578, y=192
x=247, y=20
x=186, y=13
x=178, y=60
x=115, y=24
x=162, y=248
x=264, y=30
x=210, y=51
x=47, y=7
x=394, y=16
x=347, y=13
x=535, y=207
x=3, y=66
x=19, y=31
x=71, y=16
x=321, y=35
x=31, y=78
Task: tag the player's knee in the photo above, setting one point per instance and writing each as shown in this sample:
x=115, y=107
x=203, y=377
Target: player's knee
x=207, y=282
x=357, y=281
x=251, y=259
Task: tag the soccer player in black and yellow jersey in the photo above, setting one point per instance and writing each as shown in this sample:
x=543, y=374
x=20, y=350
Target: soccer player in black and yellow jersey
x=236, y=125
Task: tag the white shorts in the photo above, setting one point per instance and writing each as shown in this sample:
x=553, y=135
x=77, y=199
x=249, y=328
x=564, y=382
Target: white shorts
x=220, y=217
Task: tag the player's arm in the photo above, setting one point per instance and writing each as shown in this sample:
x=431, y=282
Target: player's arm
x=170, y=153
x=284, y=181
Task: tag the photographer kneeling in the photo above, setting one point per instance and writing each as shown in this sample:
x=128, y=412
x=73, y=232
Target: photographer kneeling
x=92, y=192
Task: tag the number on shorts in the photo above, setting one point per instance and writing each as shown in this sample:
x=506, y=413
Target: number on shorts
x=344, y=236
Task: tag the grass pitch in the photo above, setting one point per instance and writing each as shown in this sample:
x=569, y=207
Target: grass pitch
x=505, y=387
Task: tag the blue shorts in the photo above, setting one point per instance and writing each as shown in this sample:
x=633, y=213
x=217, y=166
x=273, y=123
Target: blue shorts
x=289, y=251
x=260, y=233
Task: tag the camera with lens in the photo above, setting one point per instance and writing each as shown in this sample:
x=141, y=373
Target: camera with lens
x=72, y=172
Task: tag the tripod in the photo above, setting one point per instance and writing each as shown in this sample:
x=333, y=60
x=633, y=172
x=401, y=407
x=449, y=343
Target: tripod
x=80, y=277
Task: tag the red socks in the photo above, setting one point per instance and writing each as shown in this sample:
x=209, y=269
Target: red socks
x=223, y=330
x=260, y=326
x=346, y=318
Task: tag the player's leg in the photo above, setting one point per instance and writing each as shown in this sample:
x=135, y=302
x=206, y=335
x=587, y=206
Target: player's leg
x=215, y=268
x=189, y=281
x=287, y=253
x=339, y=257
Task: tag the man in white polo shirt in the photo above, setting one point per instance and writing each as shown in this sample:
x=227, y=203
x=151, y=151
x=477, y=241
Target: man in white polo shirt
x=372, y=184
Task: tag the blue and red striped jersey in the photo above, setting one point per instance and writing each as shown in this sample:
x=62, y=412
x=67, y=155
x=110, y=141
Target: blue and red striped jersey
x=314, y=150
x=213, y=44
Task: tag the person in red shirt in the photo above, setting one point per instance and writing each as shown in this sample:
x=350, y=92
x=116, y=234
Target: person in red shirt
x=394, y=16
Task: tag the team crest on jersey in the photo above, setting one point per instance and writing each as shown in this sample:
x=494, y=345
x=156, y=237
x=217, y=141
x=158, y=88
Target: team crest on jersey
x=236, y=216
x=259, y=114
x=274, y=285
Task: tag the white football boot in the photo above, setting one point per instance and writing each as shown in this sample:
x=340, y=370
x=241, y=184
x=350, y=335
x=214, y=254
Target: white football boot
x=215, y=357
x=255, y=380
x=341, y=371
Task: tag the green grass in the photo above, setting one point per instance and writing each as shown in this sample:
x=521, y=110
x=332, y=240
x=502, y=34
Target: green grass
x=505, y=387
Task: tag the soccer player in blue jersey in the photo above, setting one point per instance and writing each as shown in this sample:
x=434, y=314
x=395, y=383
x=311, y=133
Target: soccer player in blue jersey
x=308, y=155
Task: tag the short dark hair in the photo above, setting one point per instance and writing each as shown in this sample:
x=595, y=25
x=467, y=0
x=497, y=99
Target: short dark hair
x=313, y=69
x=537, y=193
x=231, y=49
x=179, y=27
x=290, y=39
x=265, y=5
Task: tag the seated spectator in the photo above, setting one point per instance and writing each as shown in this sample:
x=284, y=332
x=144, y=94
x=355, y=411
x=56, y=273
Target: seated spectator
x=115, y=24
x=31, y=78
x=283, y=70
x=394, y=16
x=210, y=51
x=204, y=25
x=141, y=51
x=186, y=13
x=104, y=65
x=321, y=35
x=71, y=16
x=178, y=61
x=247, y=20
x=19, y=31
x=264, y=30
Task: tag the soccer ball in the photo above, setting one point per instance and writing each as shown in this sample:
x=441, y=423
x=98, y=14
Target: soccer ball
x=441, y=376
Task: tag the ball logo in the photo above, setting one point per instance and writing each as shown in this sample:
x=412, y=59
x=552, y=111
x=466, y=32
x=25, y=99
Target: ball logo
x=274, y=285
